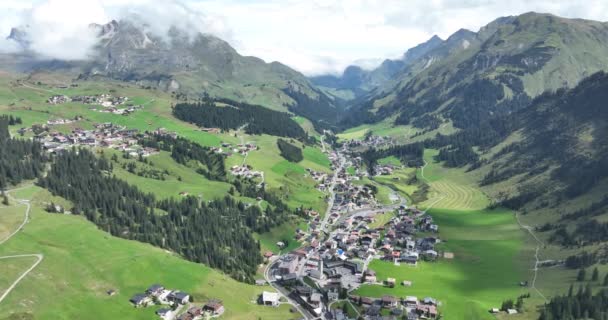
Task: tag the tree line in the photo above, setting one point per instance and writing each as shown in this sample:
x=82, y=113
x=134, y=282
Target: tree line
x=581, y=305
x=255, y=119
x=409, y=154
x=289, y=151
x=19, y=159
x=217, y=233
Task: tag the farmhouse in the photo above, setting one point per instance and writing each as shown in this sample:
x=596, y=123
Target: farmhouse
x=178, y=297
x=155, y=290
x=215, y=307
x=389, y=301
x=140, y=300
x=270, y=298
x=165, y=313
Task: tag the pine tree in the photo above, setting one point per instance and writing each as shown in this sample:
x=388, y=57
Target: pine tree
x=605, y=280
x=581, y=275
x=595, y=276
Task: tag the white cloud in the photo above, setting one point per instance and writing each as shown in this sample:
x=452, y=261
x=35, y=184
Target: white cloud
x=313, y=36
x=60, y=28
x=324, y=36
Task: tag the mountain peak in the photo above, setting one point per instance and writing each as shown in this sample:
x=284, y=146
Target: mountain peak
x=19, y=36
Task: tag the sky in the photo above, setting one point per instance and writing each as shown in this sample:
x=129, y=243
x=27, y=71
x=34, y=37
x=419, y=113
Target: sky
x=312, y=36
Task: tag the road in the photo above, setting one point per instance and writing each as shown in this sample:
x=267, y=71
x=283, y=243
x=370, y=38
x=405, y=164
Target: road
x=16, y=282
x=332, y=194
x=324, y=226
x=539, y=244
x=39, y=256
x=281, y=291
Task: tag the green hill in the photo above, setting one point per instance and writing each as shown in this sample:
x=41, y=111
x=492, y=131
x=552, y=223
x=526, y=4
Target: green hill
x=472, y=76
x=82, y=262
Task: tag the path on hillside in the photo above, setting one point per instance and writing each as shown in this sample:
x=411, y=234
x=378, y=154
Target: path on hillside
x=24, y=84
x=39, y=256
x=539, y=244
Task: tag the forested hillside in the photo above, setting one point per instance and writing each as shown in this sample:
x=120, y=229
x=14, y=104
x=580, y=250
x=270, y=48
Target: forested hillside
x=565, y=136
x=217, y=233
x=233, y=115
x=19, y=159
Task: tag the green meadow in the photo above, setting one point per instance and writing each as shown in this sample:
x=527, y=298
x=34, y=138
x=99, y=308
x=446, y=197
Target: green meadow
x=82, y=262
x=484, y=272
x=288, y=179
x=491, y=254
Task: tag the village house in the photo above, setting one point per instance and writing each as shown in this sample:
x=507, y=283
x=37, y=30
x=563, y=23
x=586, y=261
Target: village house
x=165, y=313
x=140, y=300
x=178, y=297
x=389, y=301
x=270, y=299
x=214, y=307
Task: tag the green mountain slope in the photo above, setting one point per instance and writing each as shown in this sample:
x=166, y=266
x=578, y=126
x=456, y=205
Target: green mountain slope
x=189, y=66
x=359, y=82
x=472, y=76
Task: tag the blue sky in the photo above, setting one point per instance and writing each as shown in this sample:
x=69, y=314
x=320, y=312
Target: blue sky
x=312, y=36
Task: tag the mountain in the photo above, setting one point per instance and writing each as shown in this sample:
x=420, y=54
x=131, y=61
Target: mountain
x=561, y=139
x=473, y=75
x=189, y=65
x=361, y=82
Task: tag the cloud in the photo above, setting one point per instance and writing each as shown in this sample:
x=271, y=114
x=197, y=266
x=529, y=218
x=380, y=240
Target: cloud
x=326, y=35
x=312, y=36
x=60, y=29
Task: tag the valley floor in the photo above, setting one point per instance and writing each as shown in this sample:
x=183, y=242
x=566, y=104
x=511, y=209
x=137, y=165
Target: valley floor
x=492, y=254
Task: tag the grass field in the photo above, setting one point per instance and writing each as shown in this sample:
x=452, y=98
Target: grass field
x=485, y=271
x=191, y=182
x=451, y=188
x=286, y=231
x=290, y=180
x=12, y=268
x=491, y=253
x=10, y=218
x=384, y=128
x=28, y=101
x=81, y=263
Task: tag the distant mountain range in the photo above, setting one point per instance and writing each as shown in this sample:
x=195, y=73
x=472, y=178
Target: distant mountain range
x=188, y=65
x=356, y=82
x=473, y=75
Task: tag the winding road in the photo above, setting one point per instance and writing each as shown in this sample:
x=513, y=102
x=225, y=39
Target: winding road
x=39, y=257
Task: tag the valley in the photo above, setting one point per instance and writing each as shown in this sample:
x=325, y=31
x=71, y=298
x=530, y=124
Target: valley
x=169, y=176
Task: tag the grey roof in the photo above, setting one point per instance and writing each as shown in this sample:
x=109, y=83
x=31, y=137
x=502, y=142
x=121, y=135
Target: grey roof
x=155, y=287
x=138, y=298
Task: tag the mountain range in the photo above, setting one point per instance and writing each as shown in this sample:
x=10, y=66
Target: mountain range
x=189, y=65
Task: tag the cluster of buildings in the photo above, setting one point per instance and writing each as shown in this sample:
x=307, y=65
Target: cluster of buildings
x=158, y=294
x=399, y=243
x=340, y=246
x=104, y=135
x=320, y=177
x=409, y=307
x=55, y=122
x=228, y=150
x=104, y=100
x=176, y=301
x=383, y=169
x=108, y=102
x=370, y=141
x=245, y=171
